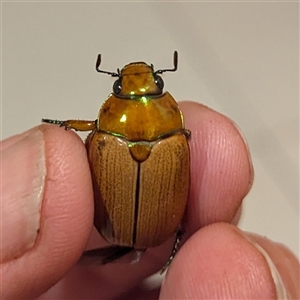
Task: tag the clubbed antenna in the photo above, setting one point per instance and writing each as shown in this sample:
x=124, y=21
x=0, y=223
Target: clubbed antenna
x=175, y=63
x=98, y=62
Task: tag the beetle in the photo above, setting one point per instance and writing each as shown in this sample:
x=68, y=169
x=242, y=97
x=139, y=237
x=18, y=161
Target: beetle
x=139, y=160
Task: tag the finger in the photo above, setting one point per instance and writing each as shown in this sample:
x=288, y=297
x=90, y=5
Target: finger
x=222, y=262
x=284, y=262
x=221, y=169
x=47, y=209
x=111, y=280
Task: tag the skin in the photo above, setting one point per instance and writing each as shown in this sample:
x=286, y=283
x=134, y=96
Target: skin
x=216, y=260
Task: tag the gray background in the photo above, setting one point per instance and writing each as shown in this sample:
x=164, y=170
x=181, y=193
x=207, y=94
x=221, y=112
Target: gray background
x=240, y=58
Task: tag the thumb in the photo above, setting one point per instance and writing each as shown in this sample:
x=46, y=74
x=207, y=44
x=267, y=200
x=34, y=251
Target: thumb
x=46, y=209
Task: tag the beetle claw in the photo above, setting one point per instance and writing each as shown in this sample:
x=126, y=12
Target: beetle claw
x=187, y=133
x=63, y=124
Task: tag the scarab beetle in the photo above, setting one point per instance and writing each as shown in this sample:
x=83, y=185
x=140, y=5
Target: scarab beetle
x=139, y=160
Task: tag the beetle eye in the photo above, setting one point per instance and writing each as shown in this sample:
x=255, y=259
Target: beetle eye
x=159, y=82
x=117, y=86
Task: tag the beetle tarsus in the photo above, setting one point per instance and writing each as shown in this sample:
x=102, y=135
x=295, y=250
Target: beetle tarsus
x=108, y=254
x=177, y=242
x=55, y=122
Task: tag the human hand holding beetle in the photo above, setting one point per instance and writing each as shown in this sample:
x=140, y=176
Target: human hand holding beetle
x=217, y=260
x=47, y=217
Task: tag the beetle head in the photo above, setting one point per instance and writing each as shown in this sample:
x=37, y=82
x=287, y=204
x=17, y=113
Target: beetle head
x=138, y=78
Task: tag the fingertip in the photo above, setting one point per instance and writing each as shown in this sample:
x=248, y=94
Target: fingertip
x=221, y=168
x=218, y=262
x=66, y=217
x=283, y=263
x=68, y=197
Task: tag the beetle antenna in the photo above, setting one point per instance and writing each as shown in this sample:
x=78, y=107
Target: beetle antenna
x=98, y=62
x=175, y=63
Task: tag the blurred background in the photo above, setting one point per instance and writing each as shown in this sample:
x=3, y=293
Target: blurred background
x=240, y=58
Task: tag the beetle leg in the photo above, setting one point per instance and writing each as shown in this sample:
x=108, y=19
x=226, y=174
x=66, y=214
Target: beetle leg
x=187, y=133
x=179, y=235
x=77, y=125
x=107, y=254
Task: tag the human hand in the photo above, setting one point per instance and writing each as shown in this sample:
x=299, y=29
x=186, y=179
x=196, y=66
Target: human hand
x=46, y=188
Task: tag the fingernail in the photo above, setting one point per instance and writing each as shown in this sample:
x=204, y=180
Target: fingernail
x=23, y=176
x=280, y=288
